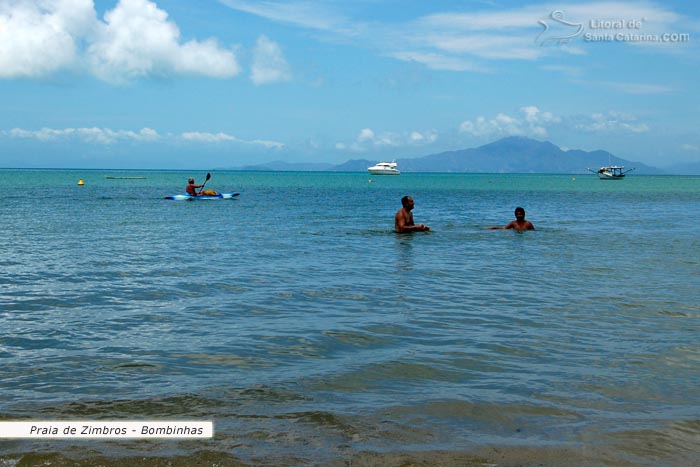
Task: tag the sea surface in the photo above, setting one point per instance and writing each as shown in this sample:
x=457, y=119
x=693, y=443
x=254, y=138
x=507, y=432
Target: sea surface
x=310, y=333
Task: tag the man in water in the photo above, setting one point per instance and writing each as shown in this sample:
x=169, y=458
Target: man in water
x=403, y=221
x=519, y=223
x=192, y=188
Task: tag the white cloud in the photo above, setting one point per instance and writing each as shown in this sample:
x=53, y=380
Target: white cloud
x=532, y=123
x=366, y=134
x=488, y=46
x=611, y=122
x=38, y=38
x=417, y=137
x=438, y=61
x=307, y=14
x=207, y=137
x=536, y=123
x=89, y=135
x=204, y=137
x=538, y=120
x=639, y=88
x=269, y=64
x=511, y=33
x=368, y=139
x=95, y=135
x=500, y=124
x=423, y=137
x=388, y=140
x=458, y=40
x=268, y=144
x=135, y=40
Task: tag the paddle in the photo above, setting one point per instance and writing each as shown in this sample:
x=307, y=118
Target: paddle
x=205, y=182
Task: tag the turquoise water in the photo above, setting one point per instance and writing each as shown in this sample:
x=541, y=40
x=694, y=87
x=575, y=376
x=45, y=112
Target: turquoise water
x=309, y=332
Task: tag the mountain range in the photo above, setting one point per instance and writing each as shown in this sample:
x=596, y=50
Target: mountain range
x=514, y=154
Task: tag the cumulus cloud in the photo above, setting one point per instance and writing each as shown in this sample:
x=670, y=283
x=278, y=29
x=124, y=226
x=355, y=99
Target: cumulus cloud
x=38, y=38
x=136, y=39
x=531, y=122
x=368, y=139
x=483, y=127
x=89, y=135
x=269, y=64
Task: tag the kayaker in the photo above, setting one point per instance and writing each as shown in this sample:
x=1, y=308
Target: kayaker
x=403, y=221
x=192, y=188
x=519, y=223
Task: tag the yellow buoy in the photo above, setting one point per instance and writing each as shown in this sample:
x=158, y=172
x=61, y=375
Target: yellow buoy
x=81, y=182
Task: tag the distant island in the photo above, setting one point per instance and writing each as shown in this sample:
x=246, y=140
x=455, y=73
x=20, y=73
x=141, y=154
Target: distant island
x=514, y=154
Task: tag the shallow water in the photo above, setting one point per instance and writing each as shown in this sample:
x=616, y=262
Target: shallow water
x=296, y=320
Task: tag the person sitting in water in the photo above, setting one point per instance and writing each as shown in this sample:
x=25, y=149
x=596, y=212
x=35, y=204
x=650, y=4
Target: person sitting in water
x=192, y=188
x=519, y=223
x=403, y=221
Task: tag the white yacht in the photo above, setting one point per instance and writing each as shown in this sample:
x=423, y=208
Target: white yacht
x=384, y=168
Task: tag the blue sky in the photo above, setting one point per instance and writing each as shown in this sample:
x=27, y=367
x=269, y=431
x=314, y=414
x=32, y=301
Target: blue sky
x=178, y=84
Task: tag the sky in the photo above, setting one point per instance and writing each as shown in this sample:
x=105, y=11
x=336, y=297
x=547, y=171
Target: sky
x=181, y=84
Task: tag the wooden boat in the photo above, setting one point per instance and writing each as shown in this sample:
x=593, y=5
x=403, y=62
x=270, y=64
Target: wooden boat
x=611, y=172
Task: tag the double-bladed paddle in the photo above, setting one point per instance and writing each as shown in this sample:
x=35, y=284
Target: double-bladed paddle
x=205, y=182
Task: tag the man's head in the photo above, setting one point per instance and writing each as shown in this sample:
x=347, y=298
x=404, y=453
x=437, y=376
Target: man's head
x=191, y=181
x=519, y=213
x=407, y=202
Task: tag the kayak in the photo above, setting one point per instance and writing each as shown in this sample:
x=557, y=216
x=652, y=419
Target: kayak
x=192, y=198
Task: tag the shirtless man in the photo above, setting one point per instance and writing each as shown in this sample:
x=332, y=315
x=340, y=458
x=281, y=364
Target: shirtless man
x=192, y=188
x=519, y=223
x=403, y=221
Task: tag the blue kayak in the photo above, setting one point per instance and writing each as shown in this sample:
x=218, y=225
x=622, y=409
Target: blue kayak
x=202, y=197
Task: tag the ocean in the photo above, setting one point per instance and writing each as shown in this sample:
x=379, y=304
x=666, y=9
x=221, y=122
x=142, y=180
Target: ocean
x=309, y=333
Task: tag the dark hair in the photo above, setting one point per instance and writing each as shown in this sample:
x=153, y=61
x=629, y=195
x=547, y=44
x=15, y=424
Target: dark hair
x=404, y=200
x=520, y=209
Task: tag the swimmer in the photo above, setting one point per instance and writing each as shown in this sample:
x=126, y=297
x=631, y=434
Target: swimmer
x=403, y=221
x=519, y=223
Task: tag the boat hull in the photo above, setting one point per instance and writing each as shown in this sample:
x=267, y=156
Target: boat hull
x=611, y=172
x=202, y=198
x=383, y=172
x=384, y=168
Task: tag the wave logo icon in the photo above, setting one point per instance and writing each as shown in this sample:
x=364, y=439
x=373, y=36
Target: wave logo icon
x=558, y=31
